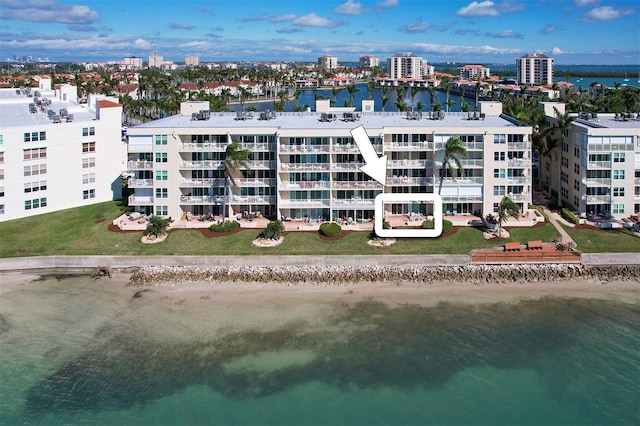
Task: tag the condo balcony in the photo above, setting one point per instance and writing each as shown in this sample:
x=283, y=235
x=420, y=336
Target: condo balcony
x=465, y=180
x=306, y=203
x=202, y=165
x=459, y=198
x=411, y=164
x=201, y=183
x=605, y=165
x=139, y=165
x=203, y=147
x=519, y=180
x=304, y=167
x=137, y=200
x=597, y=199
x=408, y=146
x=519, y=146
x=597, y=181
x=353, y=202
x=287, y=149
x=408, y=181
x=519, y=162
x=312, y=184
x=140, y=183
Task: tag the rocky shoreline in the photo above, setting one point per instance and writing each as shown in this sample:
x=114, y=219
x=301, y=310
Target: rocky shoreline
x=398, y=274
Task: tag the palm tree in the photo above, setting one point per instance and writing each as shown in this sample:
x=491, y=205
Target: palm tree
x=236, y=157
x=352, y=89
x=507, y=208
x=563, y=124
x=414, y=92
x=157, y=226
x=450, y=103
x=453, y=150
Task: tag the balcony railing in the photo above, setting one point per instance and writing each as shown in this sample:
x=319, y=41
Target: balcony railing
x=140, y=148
x=198, y=165
x=519, y=145
x=140, y=183
x=407, y=181
x=286, y=148
x=459, y=181
x=202, y=147
x=306, y=203
x=519, y=180
x=461, y=198
x=356, y=185
x=599, y=165
x=596, y=181
x=410, y=164
x=408, y=146
x=139, y=165
x=304, y=167
x=312, y=184
x=523, y=196
x=597, y=199
x=137, y=200
x=201, y=183
x=519, y=162
x=353, y=202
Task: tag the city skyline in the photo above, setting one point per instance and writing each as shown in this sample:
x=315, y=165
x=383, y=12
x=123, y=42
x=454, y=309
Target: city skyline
x=570, y=31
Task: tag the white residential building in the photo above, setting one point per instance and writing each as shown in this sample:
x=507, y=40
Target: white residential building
x=328, y=62
x=474, y=72
x=192, y=61
x=534, y=69
x=596, y=170
x=404, y=66
x=132, y=62
x=369, y=61
x=155, y=60
x=306, y=164
x=57, y=154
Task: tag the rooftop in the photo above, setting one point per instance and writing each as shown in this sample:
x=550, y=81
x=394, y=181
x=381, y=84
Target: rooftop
x=14, y=109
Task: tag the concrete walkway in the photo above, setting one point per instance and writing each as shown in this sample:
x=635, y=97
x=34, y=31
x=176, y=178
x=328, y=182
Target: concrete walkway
x=555, y=220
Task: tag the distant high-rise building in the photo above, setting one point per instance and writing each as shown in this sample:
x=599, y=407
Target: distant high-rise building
x=474, y=72
x=404, y=65
x=192, y=61
x=155, y=60
x=132, y=62
x=534, y=69
x=328, y=62
x=369, y=61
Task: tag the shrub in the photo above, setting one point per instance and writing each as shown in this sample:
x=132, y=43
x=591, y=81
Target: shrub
x=330, y=229
x=569, y=216
x=226, y=226
x=157, y=226
x=447, y=226
x=386, y=225
x=428, y=224
x=273, y=231
x=540, y=210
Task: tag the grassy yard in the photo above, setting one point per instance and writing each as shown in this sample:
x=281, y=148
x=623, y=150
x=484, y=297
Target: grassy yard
x=592, y=240
x=75, y=232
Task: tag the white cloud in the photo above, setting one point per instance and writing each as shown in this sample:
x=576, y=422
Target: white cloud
x=48, y=11
x=349, y=8
x=548, y=29
x=605, y=13
x=485, y=8
x=585, y=3
x=283, y=18
x=557, y=51
x=313, y=20
x=387, y=3
x=418, y=27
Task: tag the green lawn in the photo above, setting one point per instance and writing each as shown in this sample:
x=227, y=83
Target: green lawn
x=592, y=240
x=74, y=232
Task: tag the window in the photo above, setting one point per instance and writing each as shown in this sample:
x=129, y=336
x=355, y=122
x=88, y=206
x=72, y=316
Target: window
x=565, y=193
x=618, y=191
x=162, y=210
x=88, y=162
x=576, y=168
x=618, y=174
x=162, y=175
x=498, y=173
x=565, y=162
x=35, y=170
x=499, y=190
x=1, y=208
x=576, y=184
x=499, y=139
x=88, y=131
x=161, y=157
x=88, y=147
x=617, y=208
x=499, y=156
x=576, y=201
x=576, y=152
x=35, y=204
x=1, y=157
x=618, y=157
x=88, y=178
x=1, y=139
x=35, y=153
x=88, y=193
x=35, y=186
x=565, y=177
x=35, y=136
x=162, y=193
x=161, y=139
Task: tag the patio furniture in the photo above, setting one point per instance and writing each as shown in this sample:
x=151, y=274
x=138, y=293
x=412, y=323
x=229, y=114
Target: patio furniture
x=512, y=246
x=534, y=245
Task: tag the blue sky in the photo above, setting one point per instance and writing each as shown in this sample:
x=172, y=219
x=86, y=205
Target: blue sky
x=490, y=31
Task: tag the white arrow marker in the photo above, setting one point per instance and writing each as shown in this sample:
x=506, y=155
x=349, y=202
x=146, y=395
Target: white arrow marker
x=374, y=166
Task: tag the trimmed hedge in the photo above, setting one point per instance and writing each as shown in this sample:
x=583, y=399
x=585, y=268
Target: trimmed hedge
x=330, y=229
x=428, y=224
x=447, y=226
x=569, y=216
x=226, y=226
x=273, y=231
x=541, y=211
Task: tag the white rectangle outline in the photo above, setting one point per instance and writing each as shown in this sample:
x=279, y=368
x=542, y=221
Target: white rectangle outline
x=404, y=198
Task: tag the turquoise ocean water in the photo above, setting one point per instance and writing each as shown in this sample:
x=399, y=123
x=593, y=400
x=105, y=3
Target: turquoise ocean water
x=74, y=352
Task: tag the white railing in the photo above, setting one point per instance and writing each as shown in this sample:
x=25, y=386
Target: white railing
x=202, y=182
x=412, y=146
x=140, y=183
x=519, y=145
x=207, y=146
x=319, y=203
x=140, y=148
x=203, y=199
x=461, y=198
x=405, y=180
x=207, y=164
x=285, y=148
x=599, y=164
x=137, y=200
x=519, y=162
x=597, y=181
x=139, y=165
x=596, y=199
x=356, y=185
x=352, y=202
x=346, y=166
x=460, y=181
x=289, y=167
x=407, y=163
x=306, y=185
x=522, y=180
